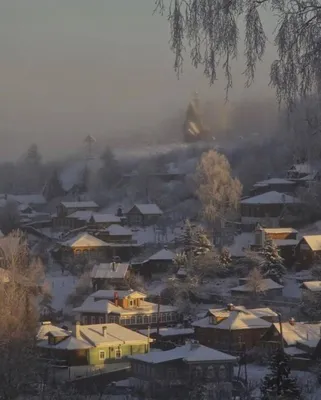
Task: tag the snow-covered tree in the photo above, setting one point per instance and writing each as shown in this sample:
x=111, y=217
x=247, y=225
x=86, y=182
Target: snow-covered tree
x=310, y=305
x=272, y=265
x=278, y=383
x=225, y=257
x=255, y=282
x=217, y=190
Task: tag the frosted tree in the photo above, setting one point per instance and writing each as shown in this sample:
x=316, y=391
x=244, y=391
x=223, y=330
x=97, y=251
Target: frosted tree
x=278, y=383
x=272, y=264
x=255, y=283
x=225, y=257
x=217, y=190
x=211, y=30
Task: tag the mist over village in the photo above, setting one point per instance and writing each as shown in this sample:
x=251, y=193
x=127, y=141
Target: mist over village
x=160, y=200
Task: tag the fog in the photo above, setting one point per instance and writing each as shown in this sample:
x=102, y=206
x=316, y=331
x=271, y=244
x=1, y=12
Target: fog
x=73, y=67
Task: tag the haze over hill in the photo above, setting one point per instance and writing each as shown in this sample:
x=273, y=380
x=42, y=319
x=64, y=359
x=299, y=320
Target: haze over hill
x=73, y=67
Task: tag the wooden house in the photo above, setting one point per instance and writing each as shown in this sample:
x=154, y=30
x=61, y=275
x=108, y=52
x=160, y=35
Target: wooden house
x=60, y=220
x=273, y=184
x=91, y=219
x=112, y=274
x=93, y=345
x=230, y=329
x=268, y=209
x=181, y=368
x=286, y=240
x=311, y=287
x=268, y=288
x=308, y=250
x=292, y=333
x=115, y=233
x=144, y=215
x=127, y=308
x=159, y=262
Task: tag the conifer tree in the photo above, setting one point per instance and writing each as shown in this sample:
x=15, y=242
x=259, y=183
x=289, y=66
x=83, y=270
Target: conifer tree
x=53, y=188
x=225, y=257
x=272, y=264
x=278, y=383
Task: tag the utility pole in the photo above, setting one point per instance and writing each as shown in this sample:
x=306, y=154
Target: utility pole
x=158, y=315
x=281, y=332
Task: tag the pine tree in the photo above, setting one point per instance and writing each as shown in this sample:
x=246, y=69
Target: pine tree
x=195, y=241
x=225, y=257
x=272, y=265
x=278, y=381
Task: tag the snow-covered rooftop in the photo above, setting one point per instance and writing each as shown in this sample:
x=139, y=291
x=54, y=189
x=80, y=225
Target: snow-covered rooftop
x=292, y=333
x=149, y=209
x=118, y=230
x=274, y=181
x=70, y=343
x=266, y=284
x=84, y=240
x=188, y=353
x=47, y=327
x=163, y=254
x=165, y=332
x=109, y=271
x=312, y=286
x=81, y=215
x=79, y=204
x=106, y=218
x=111, y=334
x=314, y=242
x=272, y=197
x=279, y=230
x=109, y=294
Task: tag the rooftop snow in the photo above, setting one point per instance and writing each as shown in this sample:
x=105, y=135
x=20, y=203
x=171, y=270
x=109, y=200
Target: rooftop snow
x=279, y=230
x=187, y=353
x=82, y=215
x=314, y=242
x=266, y=284
x=84, y=240
x=274, y=181
x=118, y=230
x=47, y=327
x=149, y=209
x=163, y=254
x=313, y=286
x=299, y=331
x=106, y=218
x=164, y=332
x=70, y=343
x=109, y=294
x=109, y=271
x=114, y=334
x=271, y=198
x=79, y=204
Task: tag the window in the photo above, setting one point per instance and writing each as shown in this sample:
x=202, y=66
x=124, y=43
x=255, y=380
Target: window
x=168, y=317
x=131, y=303
x=101, y=355
x=171, y=373
x=198, y=372
x=85, y=320
x=146, y=319
x=126, y=321
x=112, y=319
x=93, y=319
x=101, y=320
x=133, y=320
x=163, y=317
x=154, y=318
x=139, y=319
x=222, y=373
x=118, y=353
x=210, y=372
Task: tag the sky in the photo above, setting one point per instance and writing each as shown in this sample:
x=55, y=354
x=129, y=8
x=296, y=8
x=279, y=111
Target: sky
x=103, y=67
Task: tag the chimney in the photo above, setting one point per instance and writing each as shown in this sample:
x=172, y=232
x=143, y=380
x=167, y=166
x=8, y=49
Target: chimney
x=104, y=329
x=292, y=321
x=116, y=298
x=230, y=307
x=77, y=330
x=259, y=236
x=194, y=344
x=113, y=265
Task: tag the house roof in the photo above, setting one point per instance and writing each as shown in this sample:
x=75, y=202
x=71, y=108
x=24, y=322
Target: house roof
x=274, y=181
x=279, y=230
x=167, y=332
x=106, y=218
x=313, y=286
x=263, y=312
x=299, y=331
x=188, y=353
x=236, y=320
x=47, y=327
x=79, y=204
x=163, y=254
x=313, y=241
x=267, y=284
x=118, y=230
x=148, y=209
x=272, y=197
x=82, y=215
x=84, y=240
x=109, y=294
x=70, y=343
x=109, y=271
x=114, y=335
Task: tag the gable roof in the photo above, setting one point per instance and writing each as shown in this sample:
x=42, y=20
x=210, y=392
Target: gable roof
x=163, y=254
x=266, y=284
x=109, y=271
x=84, y=240
x=148, y=209
x=106, y=218
x=272, y=197
x=79, y=204
x=69, y=344
x=299, y=331
x=188, y=353
x=313, y=241
x=109, y=294
x=313, y=286
x=114, y=334
x=118, y=230
x=47, y=327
